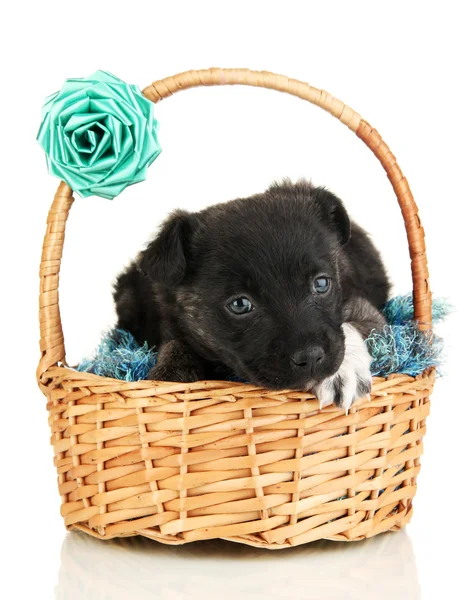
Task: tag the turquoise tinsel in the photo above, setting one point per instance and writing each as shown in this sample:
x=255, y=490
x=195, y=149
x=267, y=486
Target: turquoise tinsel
x=119, y=356
x=400, y=310
x=400, y=348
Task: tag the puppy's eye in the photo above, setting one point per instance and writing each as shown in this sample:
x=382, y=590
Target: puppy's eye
x=240, y=306
x=321, y=285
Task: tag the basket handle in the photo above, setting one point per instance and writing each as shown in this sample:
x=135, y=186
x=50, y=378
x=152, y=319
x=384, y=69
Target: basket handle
x=52, y=339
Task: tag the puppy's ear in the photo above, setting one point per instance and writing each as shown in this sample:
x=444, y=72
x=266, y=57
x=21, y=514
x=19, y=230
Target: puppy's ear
x=337, y=215
x=166, y=257
x=342, y=221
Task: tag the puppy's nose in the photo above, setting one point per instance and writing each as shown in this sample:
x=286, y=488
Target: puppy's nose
x=304, y=359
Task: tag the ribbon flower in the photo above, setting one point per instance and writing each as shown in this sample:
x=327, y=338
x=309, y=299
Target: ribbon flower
x=99, y=134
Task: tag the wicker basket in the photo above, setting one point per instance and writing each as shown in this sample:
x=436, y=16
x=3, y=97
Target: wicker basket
x=179, y=462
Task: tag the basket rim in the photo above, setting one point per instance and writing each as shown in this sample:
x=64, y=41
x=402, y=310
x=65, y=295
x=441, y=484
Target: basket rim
x=172, y=390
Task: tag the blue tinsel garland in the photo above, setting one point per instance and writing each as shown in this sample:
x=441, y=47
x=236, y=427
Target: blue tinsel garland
x=400, y=348
x=120, y=356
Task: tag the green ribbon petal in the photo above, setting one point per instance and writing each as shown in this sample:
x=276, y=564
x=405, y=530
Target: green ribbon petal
x=103, y=146
x=76, y=106
x=71, y=154
x=48, y=102
x=105, y=77
x=77, y=120
x=112, y=107
x=85, y=139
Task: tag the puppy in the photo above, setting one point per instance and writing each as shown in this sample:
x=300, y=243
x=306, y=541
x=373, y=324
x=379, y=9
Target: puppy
x=279, y=289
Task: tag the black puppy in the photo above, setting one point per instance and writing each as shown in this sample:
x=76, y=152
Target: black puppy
x=279, y=289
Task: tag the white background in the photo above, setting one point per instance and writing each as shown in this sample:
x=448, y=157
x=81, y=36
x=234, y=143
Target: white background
x=406, y=67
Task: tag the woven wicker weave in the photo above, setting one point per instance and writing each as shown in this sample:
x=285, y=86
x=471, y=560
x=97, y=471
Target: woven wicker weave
x=178, y=462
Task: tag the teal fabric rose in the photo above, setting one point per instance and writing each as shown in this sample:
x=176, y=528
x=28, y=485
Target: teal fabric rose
x=99, y=135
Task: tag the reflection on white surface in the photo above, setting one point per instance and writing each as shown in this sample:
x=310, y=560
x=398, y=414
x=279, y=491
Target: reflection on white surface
x=382, y=567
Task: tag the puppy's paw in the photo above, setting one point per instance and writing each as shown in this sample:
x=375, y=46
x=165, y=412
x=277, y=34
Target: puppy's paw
x=176, y=362
x=353, y=378
x=178, y=373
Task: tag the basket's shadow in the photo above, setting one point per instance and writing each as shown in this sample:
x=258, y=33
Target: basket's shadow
x=381, y=567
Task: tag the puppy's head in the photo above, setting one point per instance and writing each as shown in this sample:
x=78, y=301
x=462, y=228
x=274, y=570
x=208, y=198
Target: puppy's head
x=255, y=283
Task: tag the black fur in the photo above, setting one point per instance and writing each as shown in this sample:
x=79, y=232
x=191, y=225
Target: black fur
x=268, y=248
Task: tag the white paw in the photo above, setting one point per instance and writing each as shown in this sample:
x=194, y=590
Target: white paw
x=353, y=378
